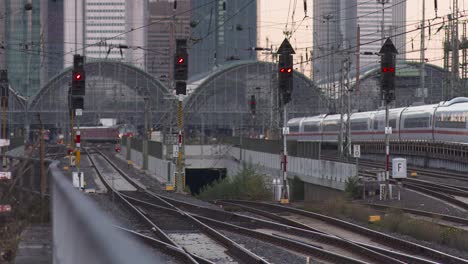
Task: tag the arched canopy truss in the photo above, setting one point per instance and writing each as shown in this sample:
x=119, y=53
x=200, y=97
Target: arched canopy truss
x=221, y=100
x=113, y=90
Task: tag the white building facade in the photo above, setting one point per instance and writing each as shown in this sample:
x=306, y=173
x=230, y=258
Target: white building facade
x=99, y=29
x=370, y=19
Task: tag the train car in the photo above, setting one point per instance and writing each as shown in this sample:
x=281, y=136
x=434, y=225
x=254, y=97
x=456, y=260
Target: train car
x=99, y=134
x=416, y=122
x=446, y=121
x=450, y=121
x=331, y=128
x=311, y=128
x=361, y=124
x=295, y=129
x=378, y=128
x=126, y=130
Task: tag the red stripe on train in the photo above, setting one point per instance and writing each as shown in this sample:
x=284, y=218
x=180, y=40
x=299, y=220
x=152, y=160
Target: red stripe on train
x=425, y=131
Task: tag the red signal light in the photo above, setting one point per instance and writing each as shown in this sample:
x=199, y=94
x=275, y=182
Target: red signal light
x=392, y=69
x=77, y=76
x=289, y=70
x=282, y=70
x=384, y=69
x=180, y=60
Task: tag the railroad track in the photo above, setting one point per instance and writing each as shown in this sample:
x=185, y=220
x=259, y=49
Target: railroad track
x=227, y=221
x=175, y=222
x=446, y=192
x=244, y=225
x=411, y=249
x=455, y=221
x=423, y=172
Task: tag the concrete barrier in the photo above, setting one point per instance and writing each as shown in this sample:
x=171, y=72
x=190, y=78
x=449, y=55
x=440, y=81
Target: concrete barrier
x=320, y=172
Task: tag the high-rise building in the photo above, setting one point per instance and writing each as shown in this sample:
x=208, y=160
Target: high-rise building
x=334, y=31
x=74, y=26
x=23, y=45
x=52, y=17
x=221, y=31
x=2, y=34
x=99, y=29
x=370, y=19
x=103, y=21
x=168, y=21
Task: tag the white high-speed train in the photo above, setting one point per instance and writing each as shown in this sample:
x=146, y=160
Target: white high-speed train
x=446, y=121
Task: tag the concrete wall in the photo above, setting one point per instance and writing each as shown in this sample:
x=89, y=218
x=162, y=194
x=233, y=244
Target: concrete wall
x=321, y=172
x=423, y=162
x=316, y=193
x=161, y=168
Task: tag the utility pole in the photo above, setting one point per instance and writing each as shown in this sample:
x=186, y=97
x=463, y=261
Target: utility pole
x=341, y=135
x=5, y=91
x=285, y=83
x=329, y=50
x=423, y=59
x=348, y=122
x=180, y=79
x=42, y=166
x=146, y=135
x=382, y=37
x=388, y=62
x=455, y=47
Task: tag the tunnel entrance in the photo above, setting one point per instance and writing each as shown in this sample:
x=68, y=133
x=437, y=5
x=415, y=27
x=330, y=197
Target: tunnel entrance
x=196, y=179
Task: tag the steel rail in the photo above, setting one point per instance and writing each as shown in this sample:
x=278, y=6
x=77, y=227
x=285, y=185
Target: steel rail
x=444, y=217
x=381, y=237
x=224, y=216
x=237, y=251
x=165, y=247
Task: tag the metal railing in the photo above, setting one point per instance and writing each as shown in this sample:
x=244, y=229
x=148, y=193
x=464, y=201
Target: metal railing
x=82, y=233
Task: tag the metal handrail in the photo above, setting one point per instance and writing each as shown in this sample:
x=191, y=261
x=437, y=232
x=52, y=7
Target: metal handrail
x=84, y=234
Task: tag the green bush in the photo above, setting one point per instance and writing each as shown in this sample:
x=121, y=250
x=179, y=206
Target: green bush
x=352, y=188
x=246, y=185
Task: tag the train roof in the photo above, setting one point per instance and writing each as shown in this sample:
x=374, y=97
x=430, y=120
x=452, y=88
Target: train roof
x=295, y=121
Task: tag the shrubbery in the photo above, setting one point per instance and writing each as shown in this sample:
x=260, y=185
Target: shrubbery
x=246, y=185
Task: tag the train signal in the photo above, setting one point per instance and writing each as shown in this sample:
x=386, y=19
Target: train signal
x=4, y=83
x=285, y=71
x=5, y=208
x=388, y=70
x=78, y=84
x=285, y=77
x=181, y=61
x=253, y=104
x=78, y=76
x=181, y=87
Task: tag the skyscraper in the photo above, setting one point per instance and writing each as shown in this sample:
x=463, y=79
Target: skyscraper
x=104, y=20
x=334, y=32
x=23, y=45
x=370, y=19
x=99, y=29
x=168, y=21
x=221, y=31
x=52, y=17
x=2, y=34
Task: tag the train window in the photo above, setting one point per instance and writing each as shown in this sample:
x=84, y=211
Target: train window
x=376, y=124
x=293, y=128
x=450, y=124
x=331, y=127
x=451, y=120
x=415, y=122
x=311, y=128
x=392, y=123
x=362, y=125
